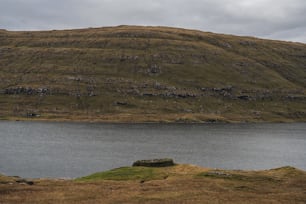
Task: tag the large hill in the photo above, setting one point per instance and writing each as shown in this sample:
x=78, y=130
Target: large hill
x=150, y=74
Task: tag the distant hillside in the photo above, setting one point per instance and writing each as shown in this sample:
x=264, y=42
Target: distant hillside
x=150, y=74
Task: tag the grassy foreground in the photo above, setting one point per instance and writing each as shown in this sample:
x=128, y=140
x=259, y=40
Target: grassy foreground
x=177, y=184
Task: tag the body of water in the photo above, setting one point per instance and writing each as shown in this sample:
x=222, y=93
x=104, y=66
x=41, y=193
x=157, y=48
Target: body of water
x=68, y=150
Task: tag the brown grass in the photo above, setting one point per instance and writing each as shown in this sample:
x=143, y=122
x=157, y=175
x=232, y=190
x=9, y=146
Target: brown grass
x=184, y=184
x=151, y=74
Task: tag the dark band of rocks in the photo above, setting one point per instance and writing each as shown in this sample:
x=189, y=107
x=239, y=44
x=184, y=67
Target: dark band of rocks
x=155, y=163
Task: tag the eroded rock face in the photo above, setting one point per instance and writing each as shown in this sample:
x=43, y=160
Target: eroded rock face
x=155, y=163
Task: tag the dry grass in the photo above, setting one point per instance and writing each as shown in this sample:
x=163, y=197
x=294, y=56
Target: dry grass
x=184, y=184
x=151, y=74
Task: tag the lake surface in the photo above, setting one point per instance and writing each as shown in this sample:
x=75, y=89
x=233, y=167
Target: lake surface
x=68, y=150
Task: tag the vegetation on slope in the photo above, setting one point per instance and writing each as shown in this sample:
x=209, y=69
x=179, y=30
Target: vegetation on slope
x=142, y=74
x=126, y=173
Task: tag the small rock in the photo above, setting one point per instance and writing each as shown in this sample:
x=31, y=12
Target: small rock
x=244, y=97
x=121, y=103
x=24, y=182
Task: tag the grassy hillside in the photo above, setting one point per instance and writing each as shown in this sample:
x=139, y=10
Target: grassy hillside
x=177, y=184
x=142, y=74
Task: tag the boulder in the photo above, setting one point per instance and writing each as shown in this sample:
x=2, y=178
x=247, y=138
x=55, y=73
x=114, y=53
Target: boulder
x=155, y=163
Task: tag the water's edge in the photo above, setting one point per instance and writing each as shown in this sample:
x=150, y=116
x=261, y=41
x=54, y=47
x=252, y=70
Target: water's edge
x=72, y=149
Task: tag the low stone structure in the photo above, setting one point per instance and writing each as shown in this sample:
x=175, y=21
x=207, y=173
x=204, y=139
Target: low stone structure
x=155, y=163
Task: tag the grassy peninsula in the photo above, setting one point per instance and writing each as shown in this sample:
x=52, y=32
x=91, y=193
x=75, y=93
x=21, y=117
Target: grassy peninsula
x=175, y=184
x=150, y=74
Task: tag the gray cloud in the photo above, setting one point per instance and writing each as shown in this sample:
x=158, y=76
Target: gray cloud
x=276, y=19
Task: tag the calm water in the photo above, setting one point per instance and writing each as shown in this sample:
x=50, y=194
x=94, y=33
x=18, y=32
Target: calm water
x=40, y=149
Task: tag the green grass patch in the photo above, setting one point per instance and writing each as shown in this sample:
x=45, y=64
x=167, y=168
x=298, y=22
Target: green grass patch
x=126, y=173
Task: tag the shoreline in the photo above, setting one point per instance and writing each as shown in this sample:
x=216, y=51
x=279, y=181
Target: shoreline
x=190, y=166
x=154, y=119
x=129, y=168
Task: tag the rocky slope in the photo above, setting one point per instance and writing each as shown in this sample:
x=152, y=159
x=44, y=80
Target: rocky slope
x=143, y=74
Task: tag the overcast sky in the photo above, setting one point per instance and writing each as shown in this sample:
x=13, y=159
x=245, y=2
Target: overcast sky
x=274, y=19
